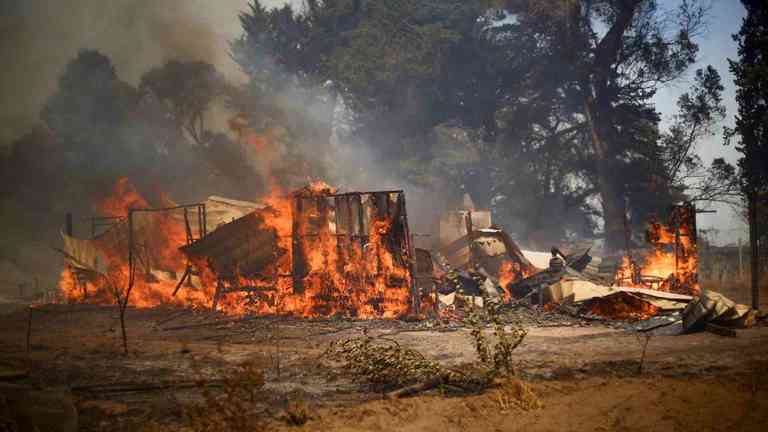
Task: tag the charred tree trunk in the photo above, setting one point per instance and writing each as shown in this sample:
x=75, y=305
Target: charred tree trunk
x=614, y=213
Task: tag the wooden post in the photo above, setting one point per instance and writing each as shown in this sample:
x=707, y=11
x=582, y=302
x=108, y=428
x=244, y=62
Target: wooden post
x=205, y=222
x=470, y=239
x=753, y=246
x=68, y=225
x=411, y=258
x=741, y=262
x=361, y=221
x=29, y=329
x=298, y=257
x=217, y=295
x=123, y=304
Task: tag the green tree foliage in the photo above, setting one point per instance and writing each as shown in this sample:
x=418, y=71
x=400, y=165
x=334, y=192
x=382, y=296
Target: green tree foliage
x=617, y=54
x=394, y=63
x=557, y=95
x=752, y=127
x=751, y=71
x=700, y=112
x=104, y=128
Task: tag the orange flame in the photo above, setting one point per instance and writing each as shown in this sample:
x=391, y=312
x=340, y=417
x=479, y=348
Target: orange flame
x=672, y=264
x=509, y=272
x=623, y=307
x=159, y=263
x=341, y=275
x=364, y=277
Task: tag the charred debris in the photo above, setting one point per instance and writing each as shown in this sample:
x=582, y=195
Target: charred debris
x=318, y=253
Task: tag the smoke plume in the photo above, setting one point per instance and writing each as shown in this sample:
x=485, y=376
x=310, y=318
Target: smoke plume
x=38, y=37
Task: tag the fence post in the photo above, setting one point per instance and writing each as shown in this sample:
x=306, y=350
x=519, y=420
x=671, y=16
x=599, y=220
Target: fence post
x=741, y=262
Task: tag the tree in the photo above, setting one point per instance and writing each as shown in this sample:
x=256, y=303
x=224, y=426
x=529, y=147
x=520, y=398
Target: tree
x=615, y=55
x=400, y=66
x=187, y=89
x=88, y=109
x=556, y=95
x=701, y=110
x=751, y=71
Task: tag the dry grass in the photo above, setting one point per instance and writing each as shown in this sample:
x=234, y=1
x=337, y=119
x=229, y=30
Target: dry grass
x=513, y=392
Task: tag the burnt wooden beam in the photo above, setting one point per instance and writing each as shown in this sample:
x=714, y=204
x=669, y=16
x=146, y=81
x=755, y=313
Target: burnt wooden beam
x=181, y=281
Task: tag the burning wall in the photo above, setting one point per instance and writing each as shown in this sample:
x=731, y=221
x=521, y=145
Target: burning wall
x=671, y=263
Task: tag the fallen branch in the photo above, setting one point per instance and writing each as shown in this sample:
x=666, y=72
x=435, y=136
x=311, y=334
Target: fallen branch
x=415, y=389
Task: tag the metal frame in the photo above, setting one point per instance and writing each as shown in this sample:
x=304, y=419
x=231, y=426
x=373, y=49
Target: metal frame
x=201, y=231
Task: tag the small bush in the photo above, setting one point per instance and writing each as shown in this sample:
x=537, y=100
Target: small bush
x=497, y=358
x=382, y=362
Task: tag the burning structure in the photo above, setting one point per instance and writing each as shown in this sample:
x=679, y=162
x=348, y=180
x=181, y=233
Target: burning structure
x=671, y=264
x=313, y=252
x=316, y=252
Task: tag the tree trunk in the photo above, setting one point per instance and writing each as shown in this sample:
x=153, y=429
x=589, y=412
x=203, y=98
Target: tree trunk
x=614, y=212
x=754, y=250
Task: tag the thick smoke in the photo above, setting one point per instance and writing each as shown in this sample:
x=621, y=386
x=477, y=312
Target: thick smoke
x=38, y=37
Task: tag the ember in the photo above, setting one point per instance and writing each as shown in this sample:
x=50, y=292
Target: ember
x=622, y=306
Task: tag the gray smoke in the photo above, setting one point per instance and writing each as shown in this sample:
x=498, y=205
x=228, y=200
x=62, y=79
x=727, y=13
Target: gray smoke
x=38, y=37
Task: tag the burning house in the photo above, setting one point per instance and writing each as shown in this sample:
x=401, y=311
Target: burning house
x=314, y=252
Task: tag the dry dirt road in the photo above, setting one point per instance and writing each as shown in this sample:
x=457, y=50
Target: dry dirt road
x=583, y=377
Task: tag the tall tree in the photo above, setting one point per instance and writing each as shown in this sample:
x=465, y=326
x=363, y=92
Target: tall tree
x=751, y=71
x=403, y=66
x=615, y=54
x=87, y=110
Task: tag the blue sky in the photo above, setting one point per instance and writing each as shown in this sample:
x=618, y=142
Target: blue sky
x=716, y=46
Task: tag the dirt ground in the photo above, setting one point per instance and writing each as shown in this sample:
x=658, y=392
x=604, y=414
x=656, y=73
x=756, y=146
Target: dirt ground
x=584, y=376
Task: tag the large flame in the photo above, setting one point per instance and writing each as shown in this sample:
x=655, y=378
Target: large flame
x=672, y=263
x=157, y=237
x=343, y=275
